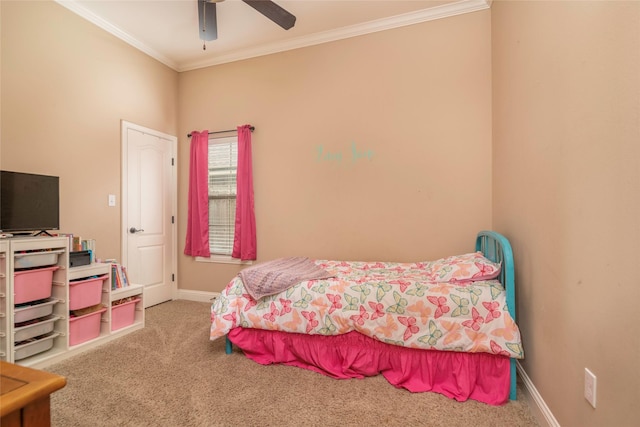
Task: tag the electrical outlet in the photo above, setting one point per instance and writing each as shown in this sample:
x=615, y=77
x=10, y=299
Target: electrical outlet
x=590, y=387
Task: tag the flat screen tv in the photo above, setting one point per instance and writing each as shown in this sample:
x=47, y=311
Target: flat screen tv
x=29, y=202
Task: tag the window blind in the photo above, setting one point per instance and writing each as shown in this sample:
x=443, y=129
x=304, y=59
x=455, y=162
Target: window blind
x=223, y=164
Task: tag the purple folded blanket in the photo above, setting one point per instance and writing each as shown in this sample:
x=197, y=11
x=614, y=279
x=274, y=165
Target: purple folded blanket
x=272, y=277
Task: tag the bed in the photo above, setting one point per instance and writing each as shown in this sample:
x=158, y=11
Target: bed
x=445, y=326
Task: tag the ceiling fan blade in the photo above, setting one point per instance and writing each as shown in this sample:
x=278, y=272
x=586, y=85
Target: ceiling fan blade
x=274, y=12
x=207, y=23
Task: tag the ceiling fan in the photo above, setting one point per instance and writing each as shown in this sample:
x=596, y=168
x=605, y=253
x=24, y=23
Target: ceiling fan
x=208, y=25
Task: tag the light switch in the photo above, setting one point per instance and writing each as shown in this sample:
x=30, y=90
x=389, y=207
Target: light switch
x=112, y=199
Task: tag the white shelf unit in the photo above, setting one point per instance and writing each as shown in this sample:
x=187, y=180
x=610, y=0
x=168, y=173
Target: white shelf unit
x=108, y=296
x=19, y=255
x=12, y=250
x=136, y=291
x=85, y=272
x=4, y=301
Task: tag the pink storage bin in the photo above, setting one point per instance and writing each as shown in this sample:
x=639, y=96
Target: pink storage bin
x=85, y=328
x=85, y=293
x=123, y=314
x=32, y=285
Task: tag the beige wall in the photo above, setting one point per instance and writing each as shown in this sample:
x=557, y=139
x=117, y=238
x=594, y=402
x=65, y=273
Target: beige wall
x=418, y=98
x=565, y=124
x=566, y=127
x=66, y=85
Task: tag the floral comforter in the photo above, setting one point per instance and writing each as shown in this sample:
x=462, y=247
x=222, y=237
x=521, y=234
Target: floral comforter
x=451, y=304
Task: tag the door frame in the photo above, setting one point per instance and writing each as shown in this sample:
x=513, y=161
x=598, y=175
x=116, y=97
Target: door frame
x=124, y=192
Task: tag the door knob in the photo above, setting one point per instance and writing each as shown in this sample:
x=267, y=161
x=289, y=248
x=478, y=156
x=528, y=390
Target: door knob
x=134, y=230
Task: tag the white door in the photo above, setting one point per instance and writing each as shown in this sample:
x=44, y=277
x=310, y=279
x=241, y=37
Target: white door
x=148, y=211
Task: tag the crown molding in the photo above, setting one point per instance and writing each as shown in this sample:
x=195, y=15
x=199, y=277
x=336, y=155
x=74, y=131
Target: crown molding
x=112, y=29
x=438, y=12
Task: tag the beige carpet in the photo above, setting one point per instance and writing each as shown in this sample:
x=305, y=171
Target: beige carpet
x=170, y=374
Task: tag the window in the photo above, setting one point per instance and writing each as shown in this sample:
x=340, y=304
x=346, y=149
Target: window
x=223, y=165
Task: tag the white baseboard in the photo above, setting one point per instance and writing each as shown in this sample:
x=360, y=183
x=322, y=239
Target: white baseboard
x=200, y=296
x=535, y=401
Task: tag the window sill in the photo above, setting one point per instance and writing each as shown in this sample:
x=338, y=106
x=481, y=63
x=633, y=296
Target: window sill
x=223, y=259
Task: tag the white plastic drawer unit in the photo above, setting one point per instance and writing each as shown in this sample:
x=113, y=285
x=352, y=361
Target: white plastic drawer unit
x=31, y=329
x=33, y=311
x=34, y=346
x=36, y=259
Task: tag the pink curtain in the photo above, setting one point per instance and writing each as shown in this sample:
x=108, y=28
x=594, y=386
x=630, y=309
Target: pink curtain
x=197, y=241
x=244, y=242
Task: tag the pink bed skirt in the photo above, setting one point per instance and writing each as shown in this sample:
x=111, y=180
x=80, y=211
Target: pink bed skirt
x=479, y=376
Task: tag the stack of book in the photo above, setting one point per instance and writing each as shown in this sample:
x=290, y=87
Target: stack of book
x=78, y=244
x=119, y=278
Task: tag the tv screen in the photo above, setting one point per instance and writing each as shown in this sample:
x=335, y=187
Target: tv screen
x=29, y=202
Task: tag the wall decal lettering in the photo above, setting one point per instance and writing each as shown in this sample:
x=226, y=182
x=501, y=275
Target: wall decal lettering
x=352, y=155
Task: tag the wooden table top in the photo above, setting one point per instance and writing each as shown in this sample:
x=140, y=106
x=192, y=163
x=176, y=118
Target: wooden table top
x=20, y=385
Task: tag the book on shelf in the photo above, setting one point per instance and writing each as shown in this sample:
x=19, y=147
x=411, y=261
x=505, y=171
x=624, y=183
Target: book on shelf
x=89, y=245
x=77, y=244
x=125, y=277
x=119, y=278
x=114, y=277
x=69, y=236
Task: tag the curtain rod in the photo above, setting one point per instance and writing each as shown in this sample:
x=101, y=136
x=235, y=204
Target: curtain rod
x=251, y=128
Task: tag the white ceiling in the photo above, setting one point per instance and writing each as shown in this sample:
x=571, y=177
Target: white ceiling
x=168, y=30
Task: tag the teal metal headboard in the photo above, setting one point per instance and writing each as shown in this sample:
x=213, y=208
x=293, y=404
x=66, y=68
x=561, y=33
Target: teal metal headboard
x=497, y=248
